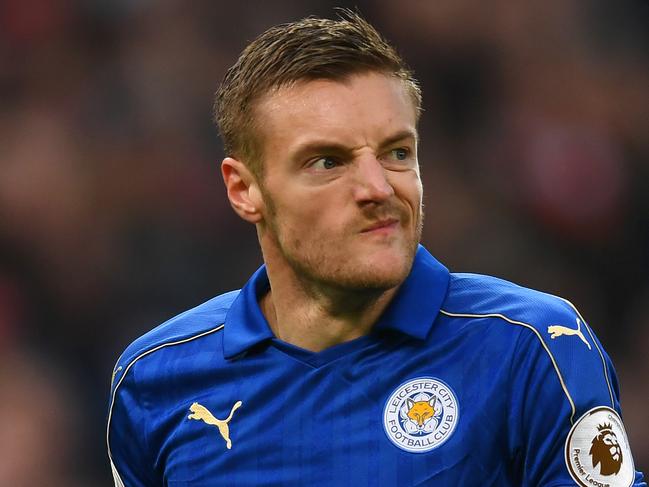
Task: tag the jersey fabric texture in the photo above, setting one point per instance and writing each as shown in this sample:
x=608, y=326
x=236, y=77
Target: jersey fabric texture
x=459, y=383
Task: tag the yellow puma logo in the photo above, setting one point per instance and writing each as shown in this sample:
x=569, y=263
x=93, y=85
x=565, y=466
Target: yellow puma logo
x=558, y=330
x=200, y=413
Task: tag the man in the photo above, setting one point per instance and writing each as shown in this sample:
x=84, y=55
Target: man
x=353, y=357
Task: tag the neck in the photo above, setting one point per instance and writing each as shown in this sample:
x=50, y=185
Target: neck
x=316, y=316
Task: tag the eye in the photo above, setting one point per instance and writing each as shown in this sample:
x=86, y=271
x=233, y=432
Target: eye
x=400, y=154
x=325, y=162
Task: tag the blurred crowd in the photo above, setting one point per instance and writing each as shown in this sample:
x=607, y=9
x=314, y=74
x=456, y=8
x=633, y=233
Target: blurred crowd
x=534, y=155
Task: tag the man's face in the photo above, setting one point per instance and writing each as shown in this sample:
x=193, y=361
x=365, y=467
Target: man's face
x=341, y=187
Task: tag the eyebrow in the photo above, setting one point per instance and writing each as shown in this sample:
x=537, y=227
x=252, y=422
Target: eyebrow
x=327, y=146
x=401, y=135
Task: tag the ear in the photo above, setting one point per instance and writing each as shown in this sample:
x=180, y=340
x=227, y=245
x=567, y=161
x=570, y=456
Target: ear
x=410, y=403
x=243, y=190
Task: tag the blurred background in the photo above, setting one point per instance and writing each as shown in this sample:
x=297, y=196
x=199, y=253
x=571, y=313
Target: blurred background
x=113, y=218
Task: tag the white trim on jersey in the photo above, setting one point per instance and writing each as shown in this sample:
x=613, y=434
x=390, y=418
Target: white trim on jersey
x=118, y=480
x=538, y=335
x=601, y=355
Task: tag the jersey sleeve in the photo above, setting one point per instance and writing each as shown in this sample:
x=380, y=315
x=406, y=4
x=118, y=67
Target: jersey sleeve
x=126, y=436
x=565, y=418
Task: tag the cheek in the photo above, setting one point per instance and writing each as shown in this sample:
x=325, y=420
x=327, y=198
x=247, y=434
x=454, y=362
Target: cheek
x=407, y=186
x=320, y=212
x=307, y=218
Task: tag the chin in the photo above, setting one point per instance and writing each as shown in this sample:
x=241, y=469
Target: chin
x=378, y=272
x=377, y=282
x=363, y=266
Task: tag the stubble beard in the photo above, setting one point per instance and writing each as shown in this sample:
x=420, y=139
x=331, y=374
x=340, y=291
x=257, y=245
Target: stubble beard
x=324, y=265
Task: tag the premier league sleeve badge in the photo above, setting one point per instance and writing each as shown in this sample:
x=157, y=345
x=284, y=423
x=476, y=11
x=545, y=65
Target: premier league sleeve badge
x=597, y=450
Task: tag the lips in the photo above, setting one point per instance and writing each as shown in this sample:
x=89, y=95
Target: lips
x=387, y=223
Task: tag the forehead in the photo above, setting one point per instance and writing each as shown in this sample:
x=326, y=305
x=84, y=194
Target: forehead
x=360, y=109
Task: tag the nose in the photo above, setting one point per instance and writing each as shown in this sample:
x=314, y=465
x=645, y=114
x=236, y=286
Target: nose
x=371, y=182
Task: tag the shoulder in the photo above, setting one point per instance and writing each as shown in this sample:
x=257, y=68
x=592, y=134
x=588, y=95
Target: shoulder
x=476, y=294
x=546, y=317
x=547, y=329
x=527, y=320
x=204, y=320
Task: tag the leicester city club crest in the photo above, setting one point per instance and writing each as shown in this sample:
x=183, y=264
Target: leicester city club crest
x=420, y=414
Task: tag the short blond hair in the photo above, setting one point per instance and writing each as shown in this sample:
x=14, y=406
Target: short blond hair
x=308, y=49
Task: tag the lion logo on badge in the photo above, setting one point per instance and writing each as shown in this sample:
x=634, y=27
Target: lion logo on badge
x=605, y=450
x=597, y=450
x=420, y=415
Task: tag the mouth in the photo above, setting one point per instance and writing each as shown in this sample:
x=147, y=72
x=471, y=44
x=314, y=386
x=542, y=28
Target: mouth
x=382, y=226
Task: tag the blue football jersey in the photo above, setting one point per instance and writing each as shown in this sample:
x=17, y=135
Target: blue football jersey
x=465, y=380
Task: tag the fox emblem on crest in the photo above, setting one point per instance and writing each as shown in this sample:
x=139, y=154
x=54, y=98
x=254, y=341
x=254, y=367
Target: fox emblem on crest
x=420, y=415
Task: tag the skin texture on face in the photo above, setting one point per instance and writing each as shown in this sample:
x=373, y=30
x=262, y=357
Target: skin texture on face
x=341, y=194
x=338, y=211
